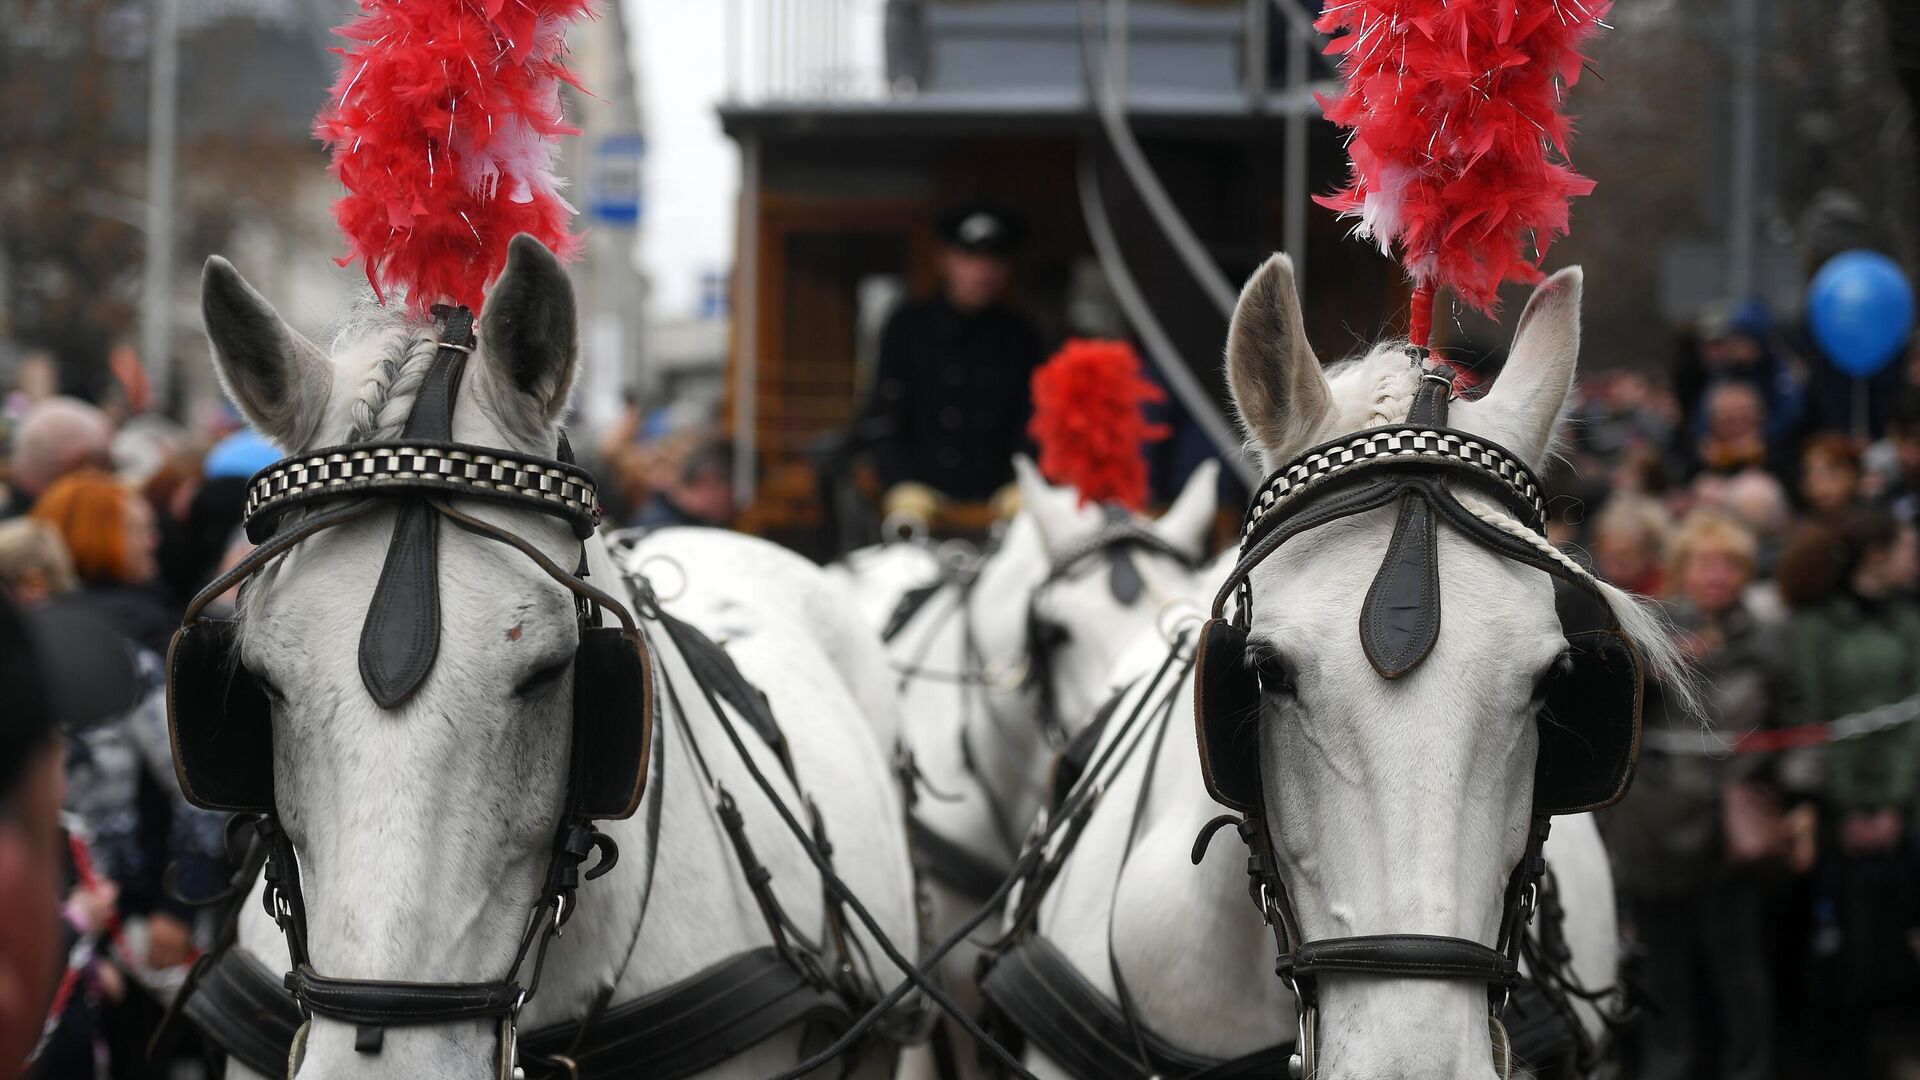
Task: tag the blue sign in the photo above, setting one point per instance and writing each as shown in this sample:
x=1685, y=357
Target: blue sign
x=615, y=193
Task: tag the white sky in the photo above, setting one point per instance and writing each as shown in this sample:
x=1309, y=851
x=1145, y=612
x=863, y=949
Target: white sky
x=692, y=172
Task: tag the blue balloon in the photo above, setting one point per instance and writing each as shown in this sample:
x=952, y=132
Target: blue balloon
x=1860, y=306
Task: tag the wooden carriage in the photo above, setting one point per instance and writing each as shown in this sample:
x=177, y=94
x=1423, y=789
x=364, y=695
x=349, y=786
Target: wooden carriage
x=841, y=190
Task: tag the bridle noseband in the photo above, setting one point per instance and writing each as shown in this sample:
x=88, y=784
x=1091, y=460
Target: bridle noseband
x=1408, y=466
x=299, y=497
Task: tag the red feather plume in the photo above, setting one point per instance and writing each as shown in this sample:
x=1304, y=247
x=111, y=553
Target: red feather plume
x=1088, y=421
x=1458, y=143
x=443, y=126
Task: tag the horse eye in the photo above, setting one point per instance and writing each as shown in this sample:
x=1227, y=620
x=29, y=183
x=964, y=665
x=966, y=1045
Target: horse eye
x=1276, y=676
x=267, y=687
x=1543, y=683
x=543, y=679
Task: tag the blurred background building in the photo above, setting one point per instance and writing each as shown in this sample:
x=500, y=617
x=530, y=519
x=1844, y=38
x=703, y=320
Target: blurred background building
x=77, y=86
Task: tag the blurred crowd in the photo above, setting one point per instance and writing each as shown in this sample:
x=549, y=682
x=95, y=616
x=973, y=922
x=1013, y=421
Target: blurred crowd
x=1766, y=861
x=110, y=522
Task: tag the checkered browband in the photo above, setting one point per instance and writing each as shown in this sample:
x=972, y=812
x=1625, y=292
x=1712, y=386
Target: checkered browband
x=418, y=467
x=1400, y=446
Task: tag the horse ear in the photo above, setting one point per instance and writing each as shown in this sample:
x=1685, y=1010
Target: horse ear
x=1055, y=509
x=1278, y=388
x=1188, y=523
x=1523, y=404
x=529, y=338
x=278, y=380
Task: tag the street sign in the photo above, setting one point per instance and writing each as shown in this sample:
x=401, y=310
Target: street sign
x=615, y=196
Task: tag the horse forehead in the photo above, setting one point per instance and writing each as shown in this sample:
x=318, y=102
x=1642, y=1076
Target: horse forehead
x=322, y=590
x=1313, y=588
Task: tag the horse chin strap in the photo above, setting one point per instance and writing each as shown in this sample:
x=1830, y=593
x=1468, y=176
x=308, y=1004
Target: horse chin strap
x=1298, y=962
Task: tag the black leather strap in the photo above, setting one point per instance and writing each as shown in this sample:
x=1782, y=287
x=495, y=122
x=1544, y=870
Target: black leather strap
x=1416, y=956
x=384, y=1002
x=400, y=639
x=1400, y=620
x=950, y=864
x=1033, y=989
x=696, y=1023
x=245, y=1010
x=711, y=666
x=674, y=1032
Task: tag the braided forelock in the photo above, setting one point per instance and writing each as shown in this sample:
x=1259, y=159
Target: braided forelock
x=381, y=407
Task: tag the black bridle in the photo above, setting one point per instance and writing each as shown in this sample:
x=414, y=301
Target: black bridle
x=1399, y=622
x=419, y=472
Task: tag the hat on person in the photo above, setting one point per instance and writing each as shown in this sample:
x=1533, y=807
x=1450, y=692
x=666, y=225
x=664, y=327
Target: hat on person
x=242, y=454
x=982, y=228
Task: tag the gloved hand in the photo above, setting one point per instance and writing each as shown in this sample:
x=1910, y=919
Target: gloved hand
x=1006, y=501
x=908, y=509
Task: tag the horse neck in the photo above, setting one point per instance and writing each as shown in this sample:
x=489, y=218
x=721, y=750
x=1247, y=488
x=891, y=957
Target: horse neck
x=1002, y=728
x=1197, y=960
x=642, y=926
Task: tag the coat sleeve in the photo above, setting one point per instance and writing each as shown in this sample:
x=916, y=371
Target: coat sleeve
x=883, y=422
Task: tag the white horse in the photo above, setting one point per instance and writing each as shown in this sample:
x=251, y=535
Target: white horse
x=975, y=722
x=1396, y=806
x=423, y=832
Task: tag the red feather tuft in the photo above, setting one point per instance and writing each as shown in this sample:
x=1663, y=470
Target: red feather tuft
x=1458, y=143
x=1088, y=422
x=443, y=126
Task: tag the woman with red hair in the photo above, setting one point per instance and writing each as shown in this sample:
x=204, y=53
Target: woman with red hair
x=109, y=530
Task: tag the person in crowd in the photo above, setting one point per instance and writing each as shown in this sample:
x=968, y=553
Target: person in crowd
x=34, y=566
x=57, y=436
x=1734, y=433
x=31, y=851
x=108, y=529
x=1629, y=539
x=1894, y=462
x=122, y=799
x=697, y=491
x=1758, y=501
x=950, y=400
x=200, y=526
x=1739, y=343
x=1856, y=639
x=1694, y=840
x=1830, y=474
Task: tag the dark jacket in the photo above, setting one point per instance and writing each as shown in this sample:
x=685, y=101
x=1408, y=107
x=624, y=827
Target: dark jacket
x=951, y=399
x=1852, y=655
x=1667, y=836
x=140, y=612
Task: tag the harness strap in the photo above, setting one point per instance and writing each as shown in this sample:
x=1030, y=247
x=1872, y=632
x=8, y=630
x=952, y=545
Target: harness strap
x=673, y=1032
x=1035, y=990
x=934, y=856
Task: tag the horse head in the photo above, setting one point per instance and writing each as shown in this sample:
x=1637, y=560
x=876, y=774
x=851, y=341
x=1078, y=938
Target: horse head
x=1397, y=763
x=1094, y=577
x=422, y=807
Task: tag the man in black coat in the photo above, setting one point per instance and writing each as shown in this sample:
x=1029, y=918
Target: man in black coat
x=951, y=400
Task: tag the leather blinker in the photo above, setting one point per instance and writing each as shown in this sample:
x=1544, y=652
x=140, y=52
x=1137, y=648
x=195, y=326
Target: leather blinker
x=1226, y=709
